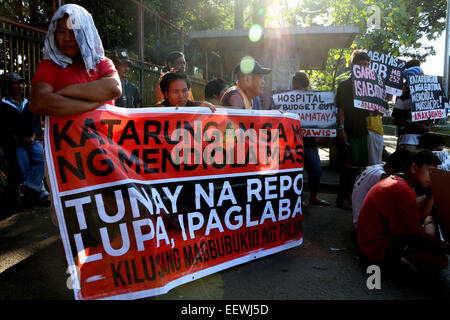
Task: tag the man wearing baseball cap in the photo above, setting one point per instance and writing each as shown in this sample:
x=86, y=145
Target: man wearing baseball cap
x=130, y=97
x=249, y=84
x=21, y=130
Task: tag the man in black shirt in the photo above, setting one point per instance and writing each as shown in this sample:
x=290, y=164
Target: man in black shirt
x=130, y=97
x=352, y=134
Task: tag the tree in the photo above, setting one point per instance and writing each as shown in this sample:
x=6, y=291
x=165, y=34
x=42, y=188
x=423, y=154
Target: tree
x=403, y=24
x=34, y=12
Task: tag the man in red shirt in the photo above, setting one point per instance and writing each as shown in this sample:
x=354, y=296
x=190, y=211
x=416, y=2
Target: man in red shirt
x=393, y=227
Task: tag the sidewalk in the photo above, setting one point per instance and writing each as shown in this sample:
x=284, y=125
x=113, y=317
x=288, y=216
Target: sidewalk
x=325, y=266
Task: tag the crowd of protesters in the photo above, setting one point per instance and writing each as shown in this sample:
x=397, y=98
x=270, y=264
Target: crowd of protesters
x=75, y=76
x=392, y=203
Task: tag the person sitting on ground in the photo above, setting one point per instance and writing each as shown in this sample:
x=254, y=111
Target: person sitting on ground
x=21, y=131
x=311, y=158
x=175, y=86
x=214, y=90
x=249, y=85
x=432, y=142
x=373, y=174
x=130, y=97
x=175, y=62
x=393, y=230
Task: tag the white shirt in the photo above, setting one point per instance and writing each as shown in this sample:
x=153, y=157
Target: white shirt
x=364, y=182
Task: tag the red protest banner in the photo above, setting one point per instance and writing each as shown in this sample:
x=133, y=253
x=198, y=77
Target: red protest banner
x=149, y=199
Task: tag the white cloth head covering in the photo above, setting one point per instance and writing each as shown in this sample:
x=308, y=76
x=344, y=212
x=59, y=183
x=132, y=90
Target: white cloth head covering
x=85, y=33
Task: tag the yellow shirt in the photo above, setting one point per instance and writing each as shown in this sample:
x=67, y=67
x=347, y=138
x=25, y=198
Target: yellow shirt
x=375, y=124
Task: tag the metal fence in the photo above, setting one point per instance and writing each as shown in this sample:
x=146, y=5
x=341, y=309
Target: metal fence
x=146, y=76
x=20, y=49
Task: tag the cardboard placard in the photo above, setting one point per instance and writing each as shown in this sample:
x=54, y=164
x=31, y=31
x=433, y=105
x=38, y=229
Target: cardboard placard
x=390, y=69
x=316, y=109
x=427, y=97
x=440, y=186
x=369, y=92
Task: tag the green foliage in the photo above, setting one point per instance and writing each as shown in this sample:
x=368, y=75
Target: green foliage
x=117, y=22
x=34, y=12
x=192, y=15
x=403, y=24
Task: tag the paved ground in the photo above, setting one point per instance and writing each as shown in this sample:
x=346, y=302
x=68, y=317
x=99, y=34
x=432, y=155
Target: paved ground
x=326, y=266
